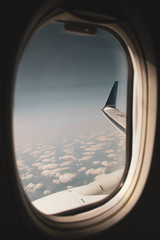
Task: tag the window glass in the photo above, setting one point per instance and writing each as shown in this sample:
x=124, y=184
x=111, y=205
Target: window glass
x=63, y=137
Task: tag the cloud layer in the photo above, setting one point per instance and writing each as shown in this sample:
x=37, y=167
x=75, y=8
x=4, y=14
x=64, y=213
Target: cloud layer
x=69, y=162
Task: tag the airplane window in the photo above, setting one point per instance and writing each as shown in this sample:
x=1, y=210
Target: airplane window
x=70, y=116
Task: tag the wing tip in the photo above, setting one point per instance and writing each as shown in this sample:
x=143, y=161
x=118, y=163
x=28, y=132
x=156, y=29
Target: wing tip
x=112, y=98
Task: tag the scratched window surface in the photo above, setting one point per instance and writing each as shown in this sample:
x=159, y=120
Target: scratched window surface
x=63, y=138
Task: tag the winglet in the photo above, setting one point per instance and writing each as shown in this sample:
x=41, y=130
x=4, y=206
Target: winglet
x=116, y=117
x=111, y=101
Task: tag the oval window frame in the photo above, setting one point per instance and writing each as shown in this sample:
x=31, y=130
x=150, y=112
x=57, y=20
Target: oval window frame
x=111, y=212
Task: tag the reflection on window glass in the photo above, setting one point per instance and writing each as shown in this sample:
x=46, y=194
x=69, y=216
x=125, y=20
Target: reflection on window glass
x=63, y=138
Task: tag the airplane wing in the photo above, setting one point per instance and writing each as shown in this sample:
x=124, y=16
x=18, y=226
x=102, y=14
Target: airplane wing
x=80, y=196
x=116, y=117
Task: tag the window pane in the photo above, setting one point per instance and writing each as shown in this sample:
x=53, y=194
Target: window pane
x=63, y=139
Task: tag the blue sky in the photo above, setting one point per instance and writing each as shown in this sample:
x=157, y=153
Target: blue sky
x=63, y=81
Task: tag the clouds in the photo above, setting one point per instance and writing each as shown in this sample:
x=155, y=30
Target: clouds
x=47, y=166
x=49, y=160
x=46, y=192
x=102, y=138
x=68, y=151
x=109, y=164
x=31, y=187
x=70, y=162
x=111, y=155
x=66, y=163
x=48, y=155
x=96, y=162
x=65, y=178
x=95, y=147
x=21, y=165
x=86, y=158
x=81, y=169
x=26, y=176
x=49, y=173
x=96, y=171
x=67, y=157
x=88, y=153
